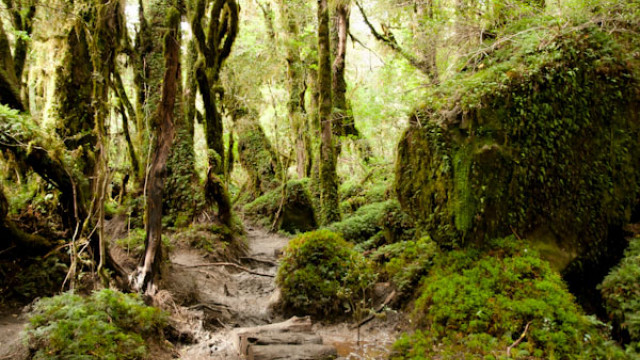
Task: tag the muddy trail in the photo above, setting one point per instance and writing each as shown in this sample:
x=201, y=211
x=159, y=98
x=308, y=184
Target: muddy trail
x=227, y=298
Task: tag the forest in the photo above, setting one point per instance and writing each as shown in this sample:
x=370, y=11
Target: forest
x=330, y=179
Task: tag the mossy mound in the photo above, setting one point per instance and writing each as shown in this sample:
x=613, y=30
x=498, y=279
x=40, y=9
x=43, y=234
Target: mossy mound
x=477, y=304
x=321, y=275
x=621, y=293
x=293, y=207
x=542, y=136
x=369, y=220
x=105, y=325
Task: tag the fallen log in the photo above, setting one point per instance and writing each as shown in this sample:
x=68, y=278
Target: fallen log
x=292, y=352
x=246, y=336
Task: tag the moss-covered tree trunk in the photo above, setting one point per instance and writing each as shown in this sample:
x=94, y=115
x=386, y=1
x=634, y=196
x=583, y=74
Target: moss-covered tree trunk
x=296, y=112
x=328, y=178
x=257, y=156
x=74, y=103
x=343, y=120
x=214, y=46
x=22, y=15
x=149, y=270
x=9, y=90
x=181, y=189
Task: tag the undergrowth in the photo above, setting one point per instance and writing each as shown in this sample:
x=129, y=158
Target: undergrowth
x=106, y=325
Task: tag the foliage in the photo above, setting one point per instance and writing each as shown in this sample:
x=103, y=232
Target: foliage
x=134, y=242
x=28, y=278
x=474, y=304
x=621, y=292
x=368, y=220
x=528, y=120
x=406, y=262
x=105, y=325
x=321, y=275
x=296, y=211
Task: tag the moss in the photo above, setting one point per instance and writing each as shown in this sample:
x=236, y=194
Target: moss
x=370, y=219
x=321, y=275
x=257, y=156
x=545, y=134
x=475, y=304
x=105, y=325
x=297, y=213
x=621, y=293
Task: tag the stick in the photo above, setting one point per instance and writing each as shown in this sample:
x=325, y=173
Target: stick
x=386, y=302
x=517, y=342
x=265, y=261
x=229, y=264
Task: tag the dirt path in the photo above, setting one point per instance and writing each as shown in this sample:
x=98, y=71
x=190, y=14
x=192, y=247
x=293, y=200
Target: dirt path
x=11, y=326
x=227, y=299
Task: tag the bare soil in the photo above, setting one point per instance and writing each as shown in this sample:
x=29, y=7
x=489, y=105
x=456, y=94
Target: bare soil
x=226, y=299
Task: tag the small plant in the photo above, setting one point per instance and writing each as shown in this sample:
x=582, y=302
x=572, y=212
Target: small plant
x=321, y=275
x=621, y=292
x=105, y=325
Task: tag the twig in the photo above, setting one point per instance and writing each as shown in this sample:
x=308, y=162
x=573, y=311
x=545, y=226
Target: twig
x=229, y=264
x=517, y=342
x=515, y=233
x=7, y=249
x=265, y=261
x=386, y=302
x=213, y=307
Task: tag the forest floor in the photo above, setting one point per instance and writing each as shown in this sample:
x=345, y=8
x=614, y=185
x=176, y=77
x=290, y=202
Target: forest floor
x=228, y=299
x=225, y=299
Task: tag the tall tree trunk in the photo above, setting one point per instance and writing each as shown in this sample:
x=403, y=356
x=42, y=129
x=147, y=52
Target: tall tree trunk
x=214, y=46
x=126, y=107
x=328, y=177
x=296, y=86
x=9, y=89
x=342, y=117
x=146, y=275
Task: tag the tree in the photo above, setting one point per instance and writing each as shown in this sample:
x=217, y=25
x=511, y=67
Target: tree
x=214, y=47
x=328, y=178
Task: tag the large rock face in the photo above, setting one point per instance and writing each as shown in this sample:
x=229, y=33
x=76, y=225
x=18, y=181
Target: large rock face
x=541, y=142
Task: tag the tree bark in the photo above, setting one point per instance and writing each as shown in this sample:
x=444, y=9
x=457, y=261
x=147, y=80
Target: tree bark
x=296, y=111
x=147, y=273
x=328, y=177
x=9, y=89
x=214, y=47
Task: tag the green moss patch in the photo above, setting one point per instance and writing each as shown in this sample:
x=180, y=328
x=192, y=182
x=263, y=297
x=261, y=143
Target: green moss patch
x=321, y=275
x=476, y=304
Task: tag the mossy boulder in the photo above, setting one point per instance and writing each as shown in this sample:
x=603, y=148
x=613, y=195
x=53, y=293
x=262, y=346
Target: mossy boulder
x=476, y=304
x=321, y=275
x=542, y=136
x=292, y=206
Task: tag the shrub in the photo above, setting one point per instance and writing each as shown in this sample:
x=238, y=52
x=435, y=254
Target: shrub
x=105, y=325
x=475, y=304
x=405, y=262
x=368, y=220
x=320, y=274
x=621, y=293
